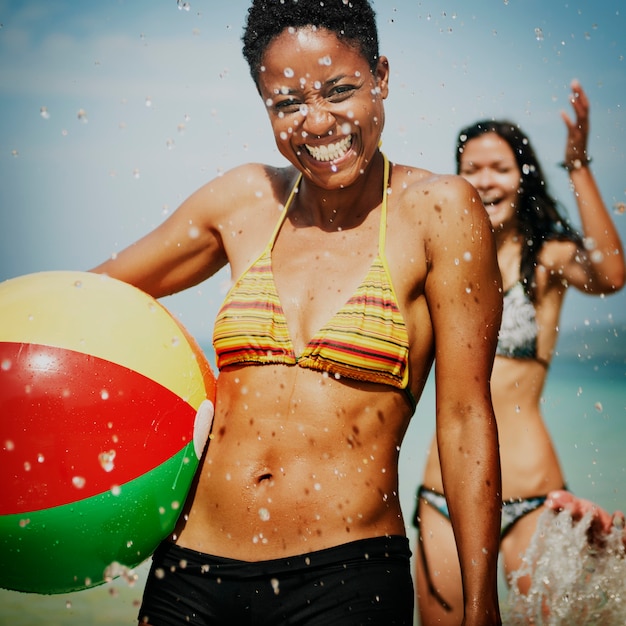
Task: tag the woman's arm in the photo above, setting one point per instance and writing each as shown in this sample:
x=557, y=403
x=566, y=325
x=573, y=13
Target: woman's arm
x=600, y=268
x=464, y=297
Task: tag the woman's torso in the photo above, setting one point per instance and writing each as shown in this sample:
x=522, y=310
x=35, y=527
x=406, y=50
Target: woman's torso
x=300, y=460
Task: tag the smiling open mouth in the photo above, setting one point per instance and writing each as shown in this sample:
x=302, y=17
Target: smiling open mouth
x=491, y=201
x=331, y=151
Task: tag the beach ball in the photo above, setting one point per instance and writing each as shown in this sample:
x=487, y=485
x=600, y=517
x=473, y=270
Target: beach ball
x=106, y=404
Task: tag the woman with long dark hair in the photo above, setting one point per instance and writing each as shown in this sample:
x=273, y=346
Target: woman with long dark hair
x=540, y=256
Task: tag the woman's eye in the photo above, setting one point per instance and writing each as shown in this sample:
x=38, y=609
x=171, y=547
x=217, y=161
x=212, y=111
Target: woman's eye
x=287, y=105
x=341, y=91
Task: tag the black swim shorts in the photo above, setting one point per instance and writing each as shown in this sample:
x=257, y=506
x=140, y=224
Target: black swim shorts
x=362, y=582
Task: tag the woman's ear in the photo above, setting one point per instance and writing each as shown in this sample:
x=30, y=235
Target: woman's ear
x=382, y=76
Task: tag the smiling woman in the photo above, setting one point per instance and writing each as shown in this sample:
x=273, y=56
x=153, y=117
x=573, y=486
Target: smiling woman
x=540, y=256
x=341, y=301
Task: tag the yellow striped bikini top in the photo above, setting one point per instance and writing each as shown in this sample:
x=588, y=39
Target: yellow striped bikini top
x=365, y=340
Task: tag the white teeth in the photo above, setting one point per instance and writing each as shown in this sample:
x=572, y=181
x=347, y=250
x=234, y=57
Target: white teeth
x=330, y=152
x=491, y=201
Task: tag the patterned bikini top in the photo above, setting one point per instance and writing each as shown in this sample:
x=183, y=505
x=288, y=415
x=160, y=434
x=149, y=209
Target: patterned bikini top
x=517, y=338
x=366, y=340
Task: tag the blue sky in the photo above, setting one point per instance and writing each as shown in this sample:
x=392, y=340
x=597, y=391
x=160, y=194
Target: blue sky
x=112, y=112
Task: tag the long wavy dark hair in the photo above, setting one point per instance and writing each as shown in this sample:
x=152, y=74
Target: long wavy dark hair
x=538, y=214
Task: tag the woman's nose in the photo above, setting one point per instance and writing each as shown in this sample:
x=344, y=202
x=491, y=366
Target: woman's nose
x=318, y=120
x=483, y=179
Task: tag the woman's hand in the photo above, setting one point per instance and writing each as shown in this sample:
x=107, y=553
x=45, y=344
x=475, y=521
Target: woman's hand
x=602, y=521
x=578, y=130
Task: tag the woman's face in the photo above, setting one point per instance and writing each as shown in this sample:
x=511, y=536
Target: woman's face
x=324, y=104
x=488, y=163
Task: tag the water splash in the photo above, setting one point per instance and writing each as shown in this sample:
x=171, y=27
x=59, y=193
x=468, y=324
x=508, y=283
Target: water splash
x=576, y=583
x=116, y=570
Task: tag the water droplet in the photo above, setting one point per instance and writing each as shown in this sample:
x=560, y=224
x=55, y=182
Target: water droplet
x=43, y=111
x=538, y=34
x=78, y=482
x=264, y=514
x=104, y=394
x=590, y=243
x=6, y=365
x=288, y=72
x=9, y=445
x=82, y=116
x=106, y=460
x=275, y=586
x=325, y=60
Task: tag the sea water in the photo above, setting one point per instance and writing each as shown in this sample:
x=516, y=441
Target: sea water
x=584, y=406
x=573, y=581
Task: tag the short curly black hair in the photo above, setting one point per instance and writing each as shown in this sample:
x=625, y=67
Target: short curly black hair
x=354, y=21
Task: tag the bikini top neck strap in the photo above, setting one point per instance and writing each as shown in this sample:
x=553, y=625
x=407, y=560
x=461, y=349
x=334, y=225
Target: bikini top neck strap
x=283, y=215
x=383, y=211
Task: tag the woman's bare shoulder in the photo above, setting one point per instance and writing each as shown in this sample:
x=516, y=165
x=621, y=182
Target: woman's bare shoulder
x=248, y=182
x=440, y=198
